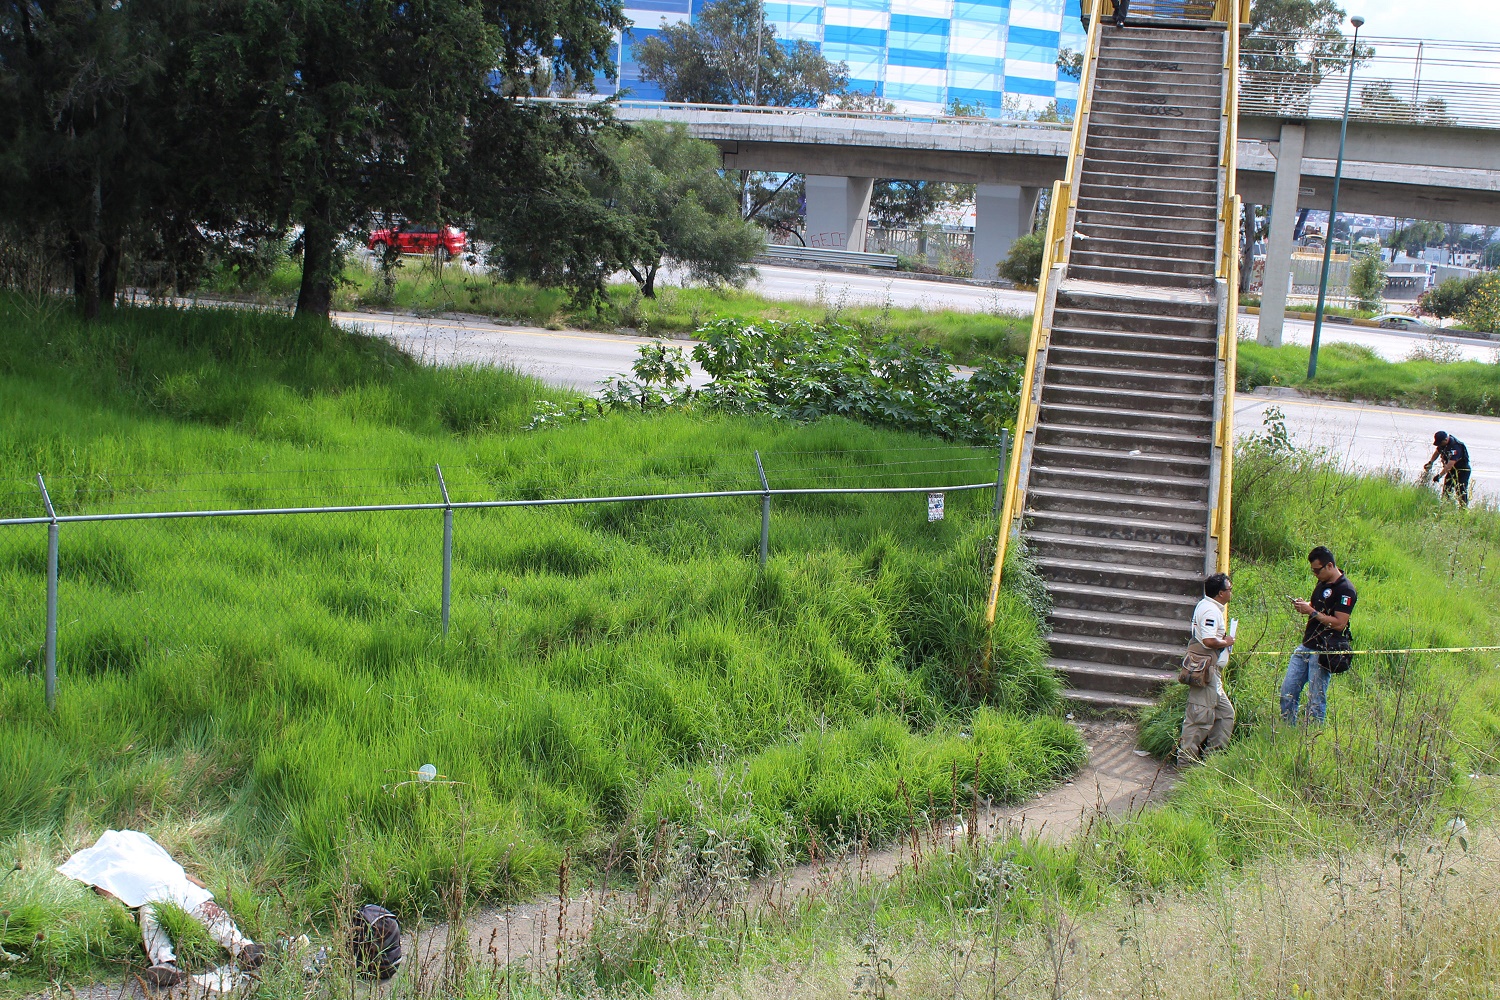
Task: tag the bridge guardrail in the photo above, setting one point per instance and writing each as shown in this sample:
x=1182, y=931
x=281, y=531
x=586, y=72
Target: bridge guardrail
x=781, y=251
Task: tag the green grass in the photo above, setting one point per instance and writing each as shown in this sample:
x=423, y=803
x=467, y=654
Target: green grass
x=256, y=692
x=1351, y=371
x=1410, y=742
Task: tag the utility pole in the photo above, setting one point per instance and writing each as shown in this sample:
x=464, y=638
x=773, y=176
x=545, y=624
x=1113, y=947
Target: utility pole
x=1333, y=208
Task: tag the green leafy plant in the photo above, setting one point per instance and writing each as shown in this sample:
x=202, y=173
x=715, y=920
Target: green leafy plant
x=1023, y=264
x=1367, y=280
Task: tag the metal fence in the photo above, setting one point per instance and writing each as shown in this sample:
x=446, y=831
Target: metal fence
x=113, y=557
x=1398, y=80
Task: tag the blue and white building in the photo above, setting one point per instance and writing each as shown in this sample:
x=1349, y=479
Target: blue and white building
x=922, y=55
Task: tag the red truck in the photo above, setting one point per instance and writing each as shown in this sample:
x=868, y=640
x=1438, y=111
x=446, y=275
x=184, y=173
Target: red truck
x=411, y=238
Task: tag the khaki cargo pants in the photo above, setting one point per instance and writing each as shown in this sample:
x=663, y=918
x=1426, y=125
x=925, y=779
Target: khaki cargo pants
x=1208, y=722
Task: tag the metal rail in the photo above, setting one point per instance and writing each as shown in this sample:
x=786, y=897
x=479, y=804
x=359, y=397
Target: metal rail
x=484, y=504
x=780, y=111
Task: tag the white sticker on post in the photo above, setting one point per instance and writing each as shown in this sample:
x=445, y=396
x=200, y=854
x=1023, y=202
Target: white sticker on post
x=934, y=507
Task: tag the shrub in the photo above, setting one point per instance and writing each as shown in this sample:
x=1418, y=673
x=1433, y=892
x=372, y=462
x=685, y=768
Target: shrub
x=1449, y=298
x=1482, y=309
x=1367, y=280
x=1024, y=263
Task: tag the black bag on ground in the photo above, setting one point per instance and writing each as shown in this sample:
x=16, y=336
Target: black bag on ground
x=375, y=941
x=1334, y=655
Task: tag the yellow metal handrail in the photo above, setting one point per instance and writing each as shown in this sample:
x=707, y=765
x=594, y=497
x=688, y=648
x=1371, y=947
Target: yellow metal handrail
x=1234, y=13
x=1054, y=251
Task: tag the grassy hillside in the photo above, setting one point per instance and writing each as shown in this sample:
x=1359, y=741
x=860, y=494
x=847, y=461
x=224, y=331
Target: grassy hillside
x=1429, y=380
x=257, y=692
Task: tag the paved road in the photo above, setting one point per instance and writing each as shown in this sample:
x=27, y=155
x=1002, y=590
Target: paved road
x=572, y=359
x=801, y=284
x=1378, y=438
x=805, y=284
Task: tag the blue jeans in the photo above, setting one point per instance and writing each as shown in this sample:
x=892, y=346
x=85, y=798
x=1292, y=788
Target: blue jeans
x=1304, y=670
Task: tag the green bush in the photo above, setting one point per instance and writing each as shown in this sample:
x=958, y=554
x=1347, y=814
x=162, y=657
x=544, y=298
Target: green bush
x=1449, y=298
x=1023, y=264
x=1367, y=280
x=1481, y=311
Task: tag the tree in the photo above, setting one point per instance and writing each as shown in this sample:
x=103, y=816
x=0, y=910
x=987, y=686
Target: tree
x=1367, y=280
x=534, y=196
x=1291, y=46
x=1449, y=298
x=897, y=203
x=670, y=184
x=1416, y=237
x=730, y=55
x=86, y=91
x=341, y=110
x=1378, y=101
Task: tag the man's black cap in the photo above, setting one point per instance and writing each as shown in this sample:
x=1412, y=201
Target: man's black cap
x=1440, y=437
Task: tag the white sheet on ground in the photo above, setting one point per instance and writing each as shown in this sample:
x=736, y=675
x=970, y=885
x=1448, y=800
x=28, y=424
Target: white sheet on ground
x=136, y=870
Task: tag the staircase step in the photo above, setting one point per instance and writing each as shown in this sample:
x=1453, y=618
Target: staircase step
x=1106, y=574
x=1108, y=416
x=1176, y=185
x=1116, y=76
x=1198, y=220
x=1106, y=377
x=1153, y=198
x=1182, y=558
x=1071, y=315
x=1107, y=398
x=1155, y=129
x=1204, y=147
x=1183, y=264
x=1140, y=341
x=1123, y=600
x=1122, y=461
x=1170, y=165
x=1131, y=529
x=1164, y=305
x=1147, y=234
x=1124, y=439
x=1120, y=484
x=1111, y=504
x=1200, y=120
x=1137, y=683
x=1103, y=701
x=1125, y=276
x=1135, y=361
x=1134, y=628
x=1160, y=656
x=1157, y=256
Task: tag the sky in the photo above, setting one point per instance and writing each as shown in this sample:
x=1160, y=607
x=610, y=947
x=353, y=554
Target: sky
x=1470, y=20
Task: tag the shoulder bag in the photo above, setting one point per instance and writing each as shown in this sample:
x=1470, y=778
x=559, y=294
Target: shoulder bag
x=1196, y=663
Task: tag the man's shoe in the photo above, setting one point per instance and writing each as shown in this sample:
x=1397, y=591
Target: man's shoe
x=164, y=976
x=251, y=956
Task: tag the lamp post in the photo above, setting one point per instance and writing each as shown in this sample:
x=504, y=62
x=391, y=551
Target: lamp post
x=1333, y=208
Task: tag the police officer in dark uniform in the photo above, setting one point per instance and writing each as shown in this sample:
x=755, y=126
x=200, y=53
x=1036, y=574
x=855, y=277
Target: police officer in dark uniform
x=1456, y=469
x=1327, y=617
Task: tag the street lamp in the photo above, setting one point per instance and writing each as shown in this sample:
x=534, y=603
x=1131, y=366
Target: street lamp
x=1333, y=209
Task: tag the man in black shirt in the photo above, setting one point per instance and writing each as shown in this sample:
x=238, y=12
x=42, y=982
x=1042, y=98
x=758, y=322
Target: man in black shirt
x=1327, y=617
x=1456, y=470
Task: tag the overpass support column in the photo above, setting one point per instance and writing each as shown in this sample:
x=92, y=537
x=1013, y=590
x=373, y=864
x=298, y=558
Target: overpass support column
x=838, y=209
x=1002, y=215
x=1284, y=194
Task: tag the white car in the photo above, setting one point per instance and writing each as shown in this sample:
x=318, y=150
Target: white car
x=1402, y=321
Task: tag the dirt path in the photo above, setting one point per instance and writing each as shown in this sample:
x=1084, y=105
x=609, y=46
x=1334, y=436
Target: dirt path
x=1117, y=779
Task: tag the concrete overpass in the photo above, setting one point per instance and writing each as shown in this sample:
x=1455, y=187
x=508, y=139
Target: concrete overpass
x=1407, y=170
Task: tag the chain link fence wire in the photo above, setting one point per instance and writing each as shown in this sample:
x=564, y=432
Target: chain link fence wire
x=185, y=575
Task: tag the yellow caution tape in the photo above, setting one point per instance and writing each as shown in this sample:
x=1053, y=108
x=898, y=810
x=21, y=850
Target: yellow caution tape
x=1366, y=652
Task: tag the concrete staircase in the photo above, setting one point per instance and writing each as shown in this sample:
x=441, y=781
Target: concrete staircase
x=1118, y=482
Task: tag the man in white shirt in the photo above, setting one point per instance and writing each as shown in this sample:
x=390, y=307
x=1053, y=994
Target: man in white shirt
x=1209, y=719
x=138, y=871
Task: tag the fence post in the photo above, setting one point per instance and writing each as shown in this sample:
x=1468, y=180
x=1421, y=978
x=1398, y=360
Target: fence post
x=765, y=510
x=49, y=647
x=1000, y=463
x=447, y=549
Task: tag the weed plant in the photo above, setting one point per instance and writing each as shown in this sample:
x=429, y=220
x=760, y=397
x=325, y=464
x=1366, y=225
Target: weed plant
x=257, y=692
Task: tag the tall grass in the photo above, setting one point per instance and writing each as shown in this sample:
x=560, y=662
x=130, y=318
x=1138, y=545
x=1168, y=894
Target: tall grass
x=1351, y=371
x=259, y=690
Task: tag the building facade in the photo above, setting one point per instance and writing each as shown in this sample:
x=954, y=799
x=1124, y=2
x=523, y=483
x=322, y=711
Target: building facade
x=996, y=56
